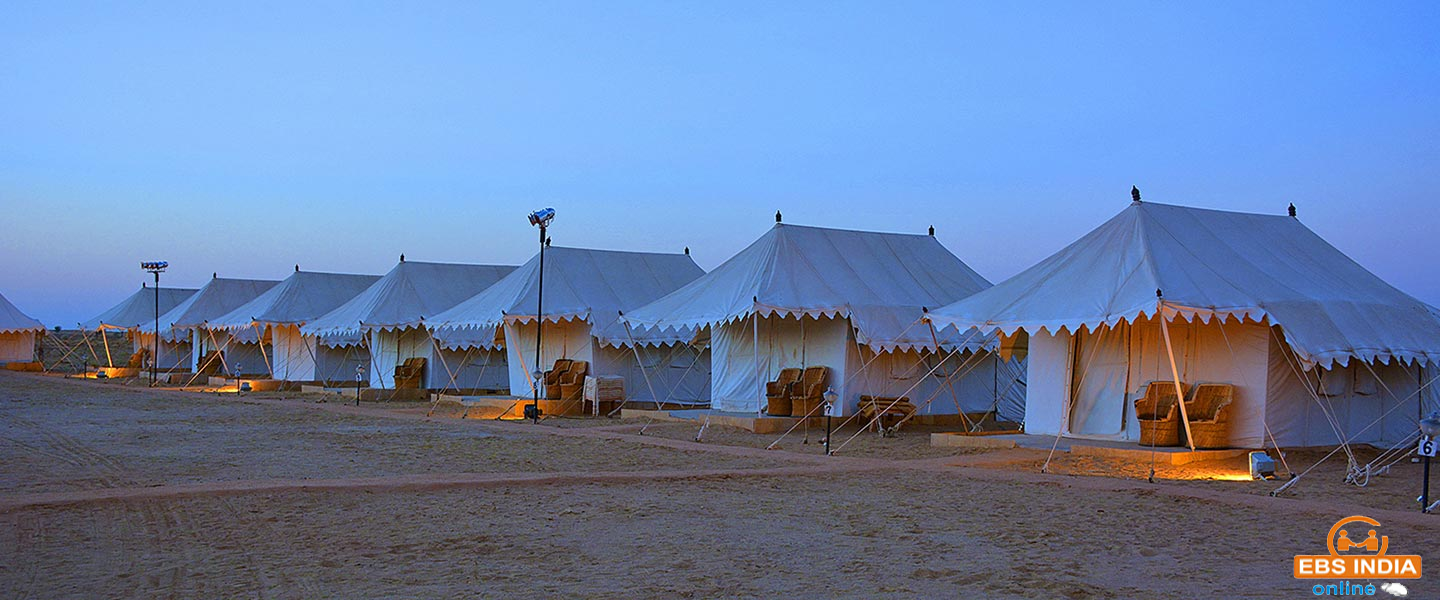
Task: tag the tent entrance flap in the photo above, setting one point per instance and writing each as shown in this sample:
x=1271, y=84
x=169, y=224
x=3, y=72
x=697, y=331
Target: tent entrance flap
x=1099, y=380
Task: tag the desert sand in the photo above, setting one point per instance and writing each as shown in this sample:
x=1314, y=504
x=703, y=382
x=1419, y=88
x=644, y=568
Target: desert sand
x=121, y=491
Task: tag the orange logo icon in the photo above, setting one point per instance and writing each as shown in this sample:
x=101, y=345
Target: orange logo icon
x=1357, y=550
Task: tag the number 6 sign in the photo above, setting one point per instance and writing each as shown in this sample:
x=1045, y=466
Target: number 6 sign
x=1428, y=447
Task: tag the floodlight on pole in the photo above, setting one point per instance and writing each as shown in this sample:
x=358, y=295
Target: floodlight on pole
x=155, y=267
x=540, y=219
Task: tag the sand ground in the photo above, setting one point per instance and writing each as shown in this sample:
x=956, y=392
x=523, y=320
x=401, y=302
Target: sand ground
x=114, y=491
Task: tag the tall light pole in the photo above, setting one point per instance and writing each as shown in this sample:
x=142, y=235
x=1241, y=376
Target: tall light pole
x=155, y=267
x=1430, y=437
x=540, y=218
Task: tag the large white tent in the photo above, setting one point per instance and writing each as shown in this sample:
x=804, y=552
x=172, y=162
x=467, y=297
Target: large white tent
x=277, y=315
x=240, y=352
x=137, y=309
x=810, y=296
x=1320, y=350
x=585, y=291
x=17, y=334
x=392, y=316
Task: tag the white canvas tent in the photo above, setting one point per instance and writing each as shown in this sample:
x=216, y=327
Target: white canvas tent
x=810, y=296
x=241, y=351
x=585, y=291
x=392, y=316
x=1320, y=350
x=277, y=315
x=137, y=309
x=17, y=334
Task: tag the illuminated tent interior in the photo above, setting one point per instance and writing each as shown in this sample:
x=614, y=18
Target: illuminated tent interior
x=17, y=334
x=277, y=315
x=585, y=290
x=137, y=309
x=239, y=352
x=848, y=300
x=1318, y=349
x=388, y=320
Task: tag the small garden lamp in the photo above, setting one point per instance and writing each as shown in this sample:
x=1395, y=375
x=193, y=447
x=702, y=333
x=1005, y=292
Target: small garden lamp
x=830, y=399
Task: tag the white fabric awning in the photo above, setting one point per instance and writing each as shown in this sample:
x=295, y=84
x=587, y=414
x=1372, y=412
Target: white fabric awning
x=585, y=284
x=301, y=297
x=882, y=282
x=217, y=297
x=1208, y=264
x=409, y=295
x=138, y=308
x=14, y=321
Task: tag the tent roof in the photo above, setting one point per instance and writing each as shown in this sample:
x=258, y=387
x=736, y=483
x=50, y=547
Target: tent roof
x=14, y=321
x=301, y=297
x=138, y=308
x=881, y=281
x=217, y=297
x=409, y=294
x=1211, y=263
x=580, y=283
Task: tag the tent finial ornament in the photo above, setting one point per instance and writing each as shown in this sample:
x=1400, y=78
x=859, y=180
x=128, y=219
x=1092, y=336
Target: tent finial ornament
x=1292, y=209
x=932, y=231
x=1134, y=193
x=777, y=216
x=547, y=241
x=1158, y=294
x=687, y=251
x=214, y=274
x=402, y=257
x=297, y=268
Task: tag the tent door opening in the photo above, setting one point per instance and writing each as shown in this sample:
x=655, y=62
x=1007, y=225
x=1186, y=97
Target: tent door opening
x=1099, y=378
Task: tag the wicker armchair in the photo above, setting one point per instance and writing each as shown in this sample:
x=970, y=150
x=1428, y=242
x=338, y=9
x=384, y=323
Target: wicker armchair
x=572, y=383
x=210, y=363
x=138, y=359
x=1158, y=413
x=807, y=394
x=410, y=374
x=552, y=378
x=777, y=393
x=1209, y=412
x=879, y=409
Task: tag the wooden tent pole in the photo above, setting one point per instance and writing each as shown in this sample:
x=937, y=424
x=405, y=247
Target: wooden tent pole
x=1174, y=371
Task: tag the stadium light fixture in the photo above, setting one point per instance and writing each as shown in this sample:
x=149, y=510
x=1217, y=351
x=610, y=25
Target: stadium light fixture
x=155, y=267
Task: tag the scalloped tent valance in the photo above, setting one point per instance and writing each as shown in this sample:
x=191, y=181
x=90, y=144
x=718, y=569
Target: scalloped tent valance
x=1210, y=264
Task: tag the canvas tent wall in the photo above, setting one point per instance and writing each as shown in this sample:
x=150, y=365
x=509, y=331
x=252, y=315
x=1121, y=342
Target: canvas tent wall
x=140, y=308
x=17, y=334
x=585, y=291
x=1318, y=348
x=392, y=313
x=190, y=319
x=811, y=296
x=277, y=315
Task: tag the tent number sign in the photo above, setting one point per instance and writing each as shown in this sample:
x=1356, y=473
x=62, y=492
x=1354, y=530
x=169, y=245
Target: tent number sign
x=1428, y=447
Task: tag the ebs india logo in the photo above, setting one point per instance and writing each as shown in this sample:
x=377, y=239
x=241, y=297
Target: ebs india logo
x=1357, y=551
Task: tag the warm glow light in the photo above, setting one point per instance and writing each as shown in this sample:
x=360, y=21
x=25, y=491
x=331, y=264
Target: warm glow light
x=1229, y=477
x=1216, y=475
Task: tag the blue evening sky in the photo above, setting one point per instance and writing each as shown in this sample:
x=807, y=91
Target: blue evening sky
x=245, y=137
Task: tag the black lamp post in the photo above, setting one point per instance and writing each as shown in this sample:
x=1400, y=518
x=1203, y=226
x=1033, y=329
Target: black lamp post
x=155, y=267
x=1430, y=437
x=830, y=398
x=359, y=375
x=540, y=218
